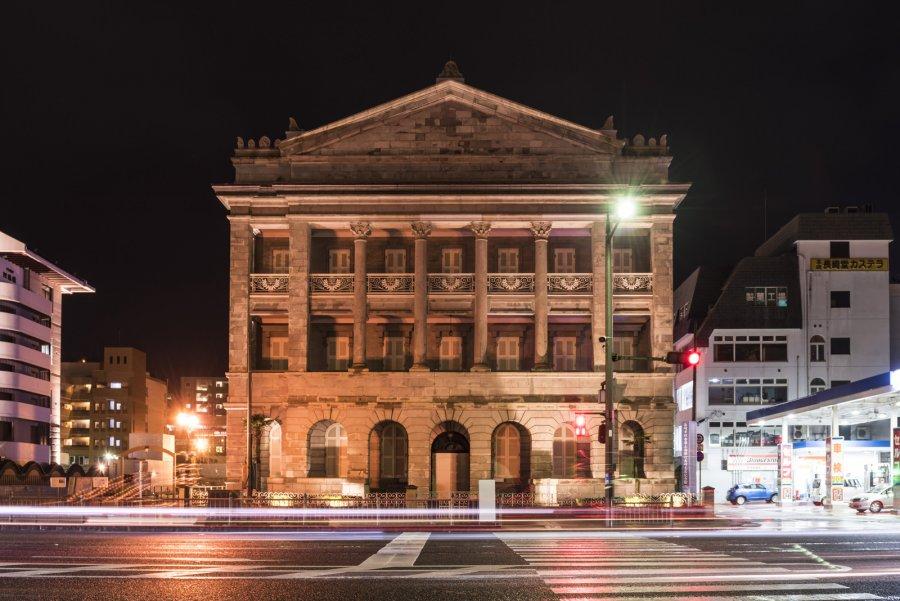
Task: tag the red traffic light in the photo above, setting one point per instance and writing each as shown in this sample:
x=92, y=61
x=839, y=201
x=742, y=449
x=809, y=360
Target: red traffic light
x=687, y=358
x=693, y=357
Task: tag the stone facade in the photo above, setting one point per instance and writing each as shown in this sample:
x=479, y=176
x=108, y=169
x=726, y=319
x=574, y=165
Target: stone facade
x=417, y=299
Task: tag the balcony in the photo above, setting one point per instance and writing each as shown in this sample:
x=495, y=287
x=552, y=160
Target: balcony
x=633, y=283
x=510, y=283
x=389, y=283
x=570, y=283
x=451, y=283
x=268, y=283
x=331, y=283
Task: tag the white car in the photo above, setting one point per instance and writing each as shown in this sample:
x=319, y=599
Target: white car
x=876, y=499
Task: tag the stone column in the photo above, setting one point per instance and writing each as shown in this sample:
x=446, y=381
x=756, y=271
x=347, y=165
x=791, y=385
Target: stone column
x=598, y=297
x=421, y=229
x=298, y=295
x=661, y=260
x=541, y=231
x=239, y=352
x=481, y=230
x=361, y=230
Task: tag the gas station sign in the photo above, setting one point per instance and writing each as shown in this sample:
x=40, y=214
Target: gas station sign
x=786, y=471
x=834, y=466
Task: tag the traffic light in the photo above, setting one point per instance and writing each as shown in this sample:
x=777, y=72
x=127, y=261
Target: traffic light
x=686, y=358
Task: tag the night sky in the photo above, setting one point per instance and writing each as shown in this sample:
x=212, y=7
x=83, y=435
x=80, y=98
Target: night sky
x=116, y=119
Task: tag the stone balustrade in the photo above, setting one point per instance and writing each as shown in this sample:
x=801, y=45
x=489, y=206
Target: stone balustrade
x=331, y=282
x=633, y=283
x=268, y=283
x=390, y=283
x=451, y=282
x=569, y=283
x=510, y=282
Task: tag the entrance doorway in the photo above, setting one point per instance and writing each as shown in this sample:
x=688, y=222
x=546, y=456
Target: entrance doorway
x=450, y=463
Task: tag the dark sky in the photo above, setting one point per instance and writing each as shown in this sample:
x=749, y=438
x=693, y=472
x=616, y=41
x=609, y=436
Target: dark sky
x=116, y=118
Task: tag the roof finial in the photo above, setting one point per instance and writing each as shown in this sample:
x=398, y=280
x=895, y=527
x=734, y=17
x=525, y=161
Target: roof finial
x=450, y=73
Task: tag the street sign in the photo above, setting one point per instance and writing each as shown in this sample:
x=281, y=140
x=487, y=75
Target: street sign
x=57, y=482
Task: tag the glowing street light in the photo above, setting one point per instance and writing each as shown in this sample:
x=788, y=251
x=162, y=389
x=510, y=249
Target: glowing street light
x=201, y=445
x=187, y=420
x=626, y=207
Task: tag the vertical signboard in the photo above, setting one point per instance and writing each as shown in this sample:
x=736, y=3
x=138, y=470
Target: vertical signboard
x=896, y=466
x=834, y=468
x=689, y=457
x=786, y=472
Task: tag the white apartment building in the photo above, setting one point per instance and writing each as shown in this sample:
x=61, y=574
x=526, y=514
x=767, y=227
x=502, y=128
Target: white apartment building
x=31, y=291
x=809, y=311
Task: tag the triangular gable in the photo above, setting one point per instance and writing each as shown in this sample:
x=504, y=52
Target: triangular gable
x=423, y=108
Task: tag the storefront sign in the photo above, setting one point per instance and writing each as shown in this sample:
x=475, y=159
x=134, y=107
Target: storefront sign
x=834, y=466
x=767, y=462
x=689, y=457
x=896, y=463
x=786, y=471
x=854, y=264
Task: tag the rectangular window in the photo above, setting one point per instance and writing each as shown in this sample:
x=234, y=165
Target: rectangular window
x=623, y=346
x=840, y=299
x=744, y=351
x=840, y=250
x=564, y=354
x=451, y=353
x=280, y=259
x=451, y=260
x=508, y=353
x=840, y=346
x=6, y=431
x=724, y=352
x=339, y=260
x=394, y=353
x=508, y=260
x=47, y=292
x=774, y=352
x=564, y=260
x=623, y=260
x=395, y=260
x=337, y=353
x=278, y=355
x=836, y=383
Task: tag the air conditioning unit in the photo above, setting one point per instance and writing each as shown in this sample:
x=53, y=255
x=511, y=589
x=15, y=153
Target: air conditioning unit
x=862, y=433
x=851, y=209
x=797, y=433
x=832, y=210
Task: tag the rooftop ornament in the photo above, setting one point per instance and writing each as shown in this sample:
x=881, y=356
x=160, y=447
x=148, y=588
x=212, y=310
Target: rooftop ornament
x=450, y=72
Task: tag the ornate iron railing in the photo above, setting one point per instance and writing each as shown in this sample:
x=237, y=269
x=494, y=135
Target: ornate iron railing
x=451, y=282
x=269, y=282
x=633, y=283
x=386, y=283
x=510, y=282
x=569, y=283
x=331, y=282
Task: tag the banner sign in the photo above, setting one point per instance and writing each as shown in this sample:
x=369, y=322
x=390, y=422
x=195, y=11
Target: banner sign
x=896, y=462
x=854, y=264
x=786, y=471
x=834, y=466
x=767, y=462
x=689, y=457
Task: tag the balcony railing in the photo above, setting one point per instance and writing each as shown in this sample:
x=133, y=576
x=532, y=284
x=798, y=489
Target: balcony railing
x=510, y=282
x=331, y=282
x=388, y=283
x=633, y=283
x=269, y=283
x=451, y=282
x=569, y=283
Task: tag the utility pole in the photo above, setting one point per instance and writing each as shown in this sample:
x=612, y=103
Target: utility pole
x=609, y=388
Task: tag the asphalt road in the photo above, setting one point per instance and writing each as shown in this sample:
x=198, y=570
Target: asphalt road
x=745, y=565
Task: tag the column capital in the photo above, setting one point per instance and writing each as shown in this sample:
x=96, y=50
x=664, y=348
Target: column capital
x=361, y=229
x=541, y=229
x=480, y=228
x=421, y=229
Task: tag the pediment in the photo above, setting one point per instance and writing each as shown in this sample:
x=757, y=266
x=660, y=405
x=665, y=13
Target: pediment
x=451, y=118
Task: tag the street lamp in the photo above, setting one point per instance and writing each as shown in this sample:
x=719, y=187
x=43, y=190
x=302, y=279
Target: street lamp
x=624, y=208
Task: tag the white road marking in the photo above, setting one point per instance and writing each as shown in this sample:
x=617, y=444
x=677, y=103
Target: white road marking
x=797, y=597
x=401, y=552
x=694, y=588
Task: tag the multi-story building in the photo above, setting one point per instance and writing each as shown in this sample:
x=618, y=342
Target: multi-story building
x=31, y=293
x=417, y=300
x=105, y=402
x=205, y=397
x=809, y=311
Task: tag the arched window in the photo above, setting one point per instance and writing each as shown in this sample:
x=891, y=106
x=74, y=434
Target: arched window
x=507, y=451
x=275, y=464
x=817, y=385
x=565, y=447
x=388, y=456
x=327, y=450
x=632, y=450
x=817, y=349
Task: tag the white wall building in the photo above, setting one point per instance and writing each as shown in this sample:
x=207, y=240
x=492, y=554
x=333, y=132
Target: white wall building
x=31, y=291
x=811, y=310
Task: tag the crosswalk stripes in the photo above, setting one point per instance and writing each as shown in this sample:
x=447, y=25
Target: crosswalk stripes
x=636, y=568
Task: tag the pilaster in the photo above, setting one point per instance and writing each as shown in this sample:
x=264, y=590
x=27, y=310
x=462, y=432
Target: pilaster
x=661, y=251
x=598, y=296
x=298, y=295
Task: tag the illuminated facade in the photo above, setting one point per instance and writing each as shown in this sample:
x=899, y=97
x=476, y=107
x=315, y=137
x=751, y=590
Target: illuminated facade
x=31, y=293
x=417, y=300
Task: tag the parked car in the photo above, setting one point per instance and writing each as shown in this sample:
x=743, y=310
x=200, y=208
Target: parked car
x=875, y=499
x=741, y=493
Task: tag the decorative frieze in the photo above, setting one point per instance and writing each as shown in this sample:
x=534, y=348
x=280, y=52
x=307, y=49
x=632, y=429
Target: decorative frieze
x=331, y=282
x=570, y=283
x=633, y=283
x=385, y=283
x=269, y=283
x=511, y=282
x=451, y=282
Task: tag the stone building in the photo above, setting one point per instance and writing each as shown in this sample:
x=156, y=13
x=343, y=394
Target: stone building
x=417, y=300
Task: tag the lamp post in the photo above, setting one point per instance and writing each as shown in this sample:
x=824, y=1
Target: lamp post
x=624, y=208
